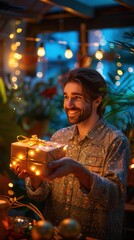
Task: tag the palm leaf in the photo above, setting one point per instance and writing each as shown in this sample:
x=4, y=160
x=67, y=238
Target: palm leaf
x=119, y=102
x=124, y=46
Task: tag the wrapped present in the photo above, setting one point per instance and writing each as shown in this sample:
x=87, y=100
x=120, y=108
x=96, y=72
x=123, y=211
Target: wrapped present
x=33, y=154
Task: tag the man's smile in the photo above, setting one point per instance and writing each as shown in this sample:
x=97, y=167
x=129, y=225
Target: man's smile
x=72, y=112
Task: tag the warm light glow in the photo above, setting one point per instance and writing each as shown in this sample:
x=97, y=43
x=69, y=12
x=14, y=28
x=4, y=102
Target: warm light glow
x=17, y=72
x=13, y=47
x=99, y=54
x=65, y=147
x=15, y=86
x=40, y=145
x=18, y=44
x=18, y=22
x=41, y=51
x=120, y=72
x=39, y=74
x=14, y=79
x=15, y=64
x=37, y=173
x=119, y=64
x=10, y=192
x=68, y=53
x=10, y=185
x=17, y=56
x=19, y=30
x=32, y=168
x=14, y=163
x=11, y=36
x=31, y=153
x=21, y=156
x=132, y=166
x=37, y=149
x=117, y=78
x=18, y=99
x=11, y=62
x=2, y=201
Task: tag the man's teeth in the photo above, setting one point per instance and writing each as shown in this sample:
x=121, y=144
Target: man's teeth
x=72, y=111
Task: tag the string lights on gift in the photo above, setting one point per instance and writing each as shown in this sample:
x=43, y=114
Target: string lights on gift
x=33, y=154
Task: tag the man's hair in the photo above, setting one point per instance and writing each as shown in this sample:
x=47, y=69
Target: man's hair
x=92, y=82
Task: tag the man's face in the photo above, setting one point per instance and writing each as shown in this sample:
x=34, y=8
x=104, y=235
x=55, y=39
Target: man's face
x=76, y=107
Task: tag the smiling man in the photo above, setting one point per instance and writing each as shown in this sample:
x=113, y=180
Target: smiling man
x=89, y=184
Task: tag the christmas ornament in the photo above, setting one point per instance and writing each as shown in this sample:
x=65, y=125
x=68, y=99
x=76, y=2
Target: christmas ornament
x=43, y=230
x=18, y=226
x=69, y=229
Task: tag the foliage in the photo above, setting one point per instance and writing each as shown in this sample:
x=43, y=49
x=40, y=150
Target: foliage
x=8, y=132
x=120, y=99
x=126, y=45
x=36, y=102
x=120, y=103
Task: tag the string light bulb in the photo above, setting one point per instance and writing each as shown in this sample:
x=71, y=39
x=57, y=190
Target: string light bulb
x=99, y=54
x=41, y=51
x=68, y=52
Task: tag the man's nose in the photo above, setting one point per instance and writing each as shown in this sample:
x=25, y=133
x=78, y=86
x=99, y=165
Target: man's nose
x=70, y=102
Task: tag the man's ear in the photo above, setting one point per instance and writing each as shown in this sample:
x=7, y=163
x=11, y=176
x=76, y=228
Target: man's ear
x=98, y=100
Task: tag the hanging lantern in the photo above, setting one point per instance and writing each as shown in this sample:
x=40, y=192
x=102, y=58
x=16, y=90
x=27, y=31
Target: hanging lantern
x=68, y=52
x=41, y=51
x=99, y=54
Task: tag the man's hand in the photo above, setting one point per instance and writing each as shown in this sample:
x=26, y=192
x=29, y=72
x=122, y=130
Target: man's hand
x=65, y=166
x=60, y=168
x=35, y=180
x=20, y=174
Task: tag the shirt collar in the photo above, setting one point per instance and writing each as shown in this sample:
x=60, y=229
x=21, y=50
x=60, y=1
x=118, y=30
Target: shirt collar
x=96, y=130
x=93, y=133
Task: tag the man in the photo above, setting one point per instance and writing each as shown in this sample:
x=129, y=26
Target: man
x=89, y=184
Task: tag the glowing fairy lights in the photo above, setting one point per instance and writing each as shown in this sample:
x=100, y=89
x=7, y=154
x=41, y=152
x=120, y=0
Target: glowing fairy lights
x=33, y=154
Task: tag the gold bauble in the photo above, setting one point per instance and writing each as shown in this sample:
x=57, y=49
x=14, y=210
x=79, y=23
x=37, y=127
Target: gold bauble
x=43, y=230
x=69, y=229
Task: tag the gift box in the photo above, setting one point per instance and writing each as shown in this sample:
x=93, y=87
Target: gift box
x=33, y=154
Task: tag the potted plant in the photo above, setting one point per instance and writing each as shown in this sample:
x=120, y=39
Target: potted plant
x=35, y=105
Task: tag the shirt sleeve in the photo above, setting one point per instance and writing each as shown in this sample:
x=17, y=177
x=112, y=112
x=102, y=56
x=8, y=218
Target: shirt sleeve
x=112, y=184
x=41, y=193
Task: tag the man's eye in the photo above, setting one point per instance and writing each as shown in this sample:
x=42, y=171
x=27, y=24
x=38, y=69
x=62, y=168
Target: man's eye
x=77, y=97
x=66, y=97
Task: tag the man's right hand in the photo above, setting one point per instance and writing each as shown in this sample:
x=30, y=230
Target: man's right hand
x=20, y=174
x=35, y=180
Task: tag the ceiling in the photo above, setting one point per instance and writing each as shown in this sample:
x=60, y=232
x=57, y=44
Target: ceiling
x=54, y=15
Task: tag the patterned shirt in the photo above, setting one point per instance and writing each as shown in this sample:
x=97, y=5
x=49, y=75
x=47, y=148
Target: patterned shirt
x=105, y=152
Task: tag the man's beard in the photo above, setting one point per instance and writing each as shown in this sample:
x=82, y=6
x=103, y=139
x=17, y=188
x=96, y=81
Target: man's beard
x=80, y=116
